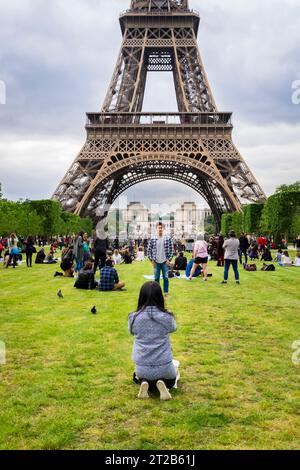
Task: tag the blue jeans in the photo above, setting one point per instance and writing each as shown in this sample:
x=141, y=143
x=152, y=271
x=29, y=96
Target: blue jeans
x=241, y=253
x=234, y=263
x=78, y=265
x=162, y=267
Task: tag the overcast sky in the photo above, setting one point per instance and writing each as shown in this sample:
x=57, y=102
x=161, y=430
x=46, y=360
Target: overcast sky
x=57, y=58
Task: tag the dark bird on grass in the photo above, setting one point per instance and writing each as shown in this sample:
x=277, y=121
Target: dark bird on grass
x=59, y=294
x=94, y=310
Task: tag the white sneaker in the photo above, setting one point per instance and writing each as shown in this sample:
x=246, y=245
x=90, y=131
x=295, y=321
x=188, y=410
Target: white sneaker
x=143, y=393
x=164, y=392
x=176, y=365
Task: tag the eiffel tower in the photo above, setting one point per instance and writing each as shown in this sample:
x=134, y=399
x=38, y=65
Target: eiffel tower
x=125, y=146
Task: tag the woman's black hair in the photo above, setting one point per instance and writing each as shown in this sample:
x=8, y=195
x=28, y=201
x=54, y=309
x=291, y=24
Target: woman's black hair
x=151, y=296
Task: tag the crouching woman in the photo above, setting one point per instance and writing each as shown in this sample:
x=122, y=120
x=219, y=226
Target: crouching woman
x=151, y=326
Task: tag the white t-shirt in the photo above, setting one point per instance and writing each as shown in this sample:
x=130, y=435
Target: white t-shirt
x=286, y=260
x=160, y=250
x=117, y=259
x=297, y=262
x=140, y=256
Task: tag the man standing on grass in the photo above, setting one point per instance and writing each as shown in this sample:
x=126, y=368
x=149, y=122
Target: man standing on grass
x=231, y=247
x=160, y=253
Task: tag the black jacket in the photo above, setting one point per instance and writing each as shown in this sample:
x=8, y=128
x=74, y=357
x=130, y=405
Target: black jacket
x=180, y=263
x=101, y=245
x=86, y=280
x=40, y=257
x=244, y=244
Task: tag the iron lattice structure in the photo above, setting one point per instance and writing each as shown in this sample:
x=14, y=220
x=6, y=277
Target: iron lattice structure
x=125, y=146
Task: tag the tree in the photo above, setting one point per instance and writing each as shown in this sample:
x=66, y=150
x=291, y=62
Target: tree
x=44, y=218
x=238, y=223
x=278, y=217
x=28, y=221
x=232, y=221
x=210, y=225
x=252, y=218
x=291, y=187
x=280, y=213
x=8, y=217
x=295, y=227
x=50, y=213
x=226, y=223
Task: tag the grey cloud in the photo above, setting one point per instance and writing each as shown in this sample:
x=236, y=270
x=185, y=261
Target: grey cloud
x=57, y=58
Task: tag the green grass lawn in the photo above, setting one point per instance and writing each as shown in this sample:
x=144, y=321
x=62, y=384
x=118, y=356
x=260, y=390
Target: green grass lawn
x=68, y=383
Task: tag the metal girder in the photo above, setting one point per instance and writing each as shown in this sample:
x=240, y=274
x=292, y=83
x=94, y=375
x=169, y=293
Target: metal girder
x=159, y=5
x=125, y=146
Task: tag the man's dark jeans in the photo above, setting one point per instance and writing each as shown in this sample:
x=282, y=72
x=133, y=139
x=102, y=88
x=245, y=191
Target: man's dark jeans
x=234, y=263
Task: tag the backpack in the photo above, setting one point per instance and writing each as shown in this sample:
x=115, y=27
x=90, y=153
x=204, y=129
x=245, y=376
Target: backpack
x=250, y=267
x=268, y=267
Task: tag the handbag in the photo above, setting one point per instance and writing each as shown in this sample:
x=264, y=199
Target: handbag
x=250, y=267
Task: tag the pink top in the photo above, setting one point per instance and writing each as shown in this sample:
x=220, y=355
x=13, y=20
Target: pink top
x=201, y=249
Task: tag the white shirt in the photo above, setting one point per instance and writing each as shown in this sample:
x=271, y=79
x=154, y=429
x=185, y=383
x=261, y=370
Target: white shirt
x=160, y=250
x=297, y=262
x=140, y=256
x=117, y=259
x=286, y=260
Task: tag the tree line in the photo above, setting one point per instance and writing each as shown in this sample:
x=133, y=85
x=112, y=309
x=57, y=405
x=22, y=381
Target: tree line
x=279, y=217
x=44, y=218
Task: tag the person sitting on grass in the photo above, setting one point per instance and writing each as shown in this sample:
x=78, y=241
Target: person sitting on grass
x=140, y=256
x=117, y=258
x=286, y=260
x=266, y=256
x=109, y=278
x=67, y=263
x=13, y=256
x=127, y=257
x=189, y=267
x=253, y=252
x=40, y=257
x=50, y=258
x=180, y=262
x=278, y=256
x=151, y=326
x=297, y=260
x=53, y=247
x=86, y=277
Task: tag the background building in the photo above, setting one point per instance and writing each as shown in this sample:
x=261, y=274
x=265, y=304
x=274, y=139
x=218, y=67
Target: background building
x=139, y=222
x=189, y=220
